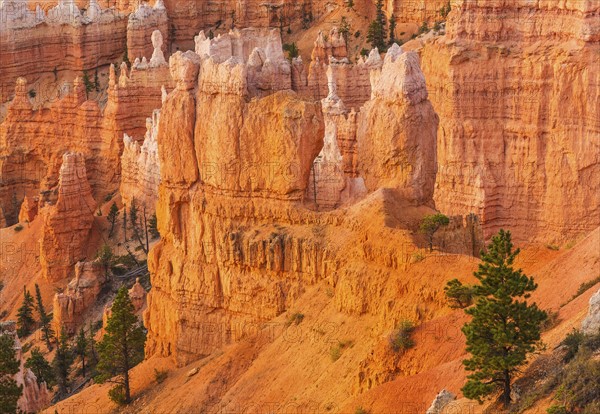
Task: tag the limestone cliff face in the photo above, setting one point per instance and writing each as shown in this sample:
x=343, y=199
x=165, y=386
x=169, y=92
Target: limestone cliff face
x=67, y=224
x=518, y=100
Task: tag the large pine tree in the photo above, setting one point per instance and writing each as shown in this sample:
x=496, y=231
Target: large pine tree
x=25, y=321
x=504, y=328
x=63, y=359
x=10, y=392
x=376, y=34
x=45, y=319
x=121, y=348
x=41, y=368
x=81, y=349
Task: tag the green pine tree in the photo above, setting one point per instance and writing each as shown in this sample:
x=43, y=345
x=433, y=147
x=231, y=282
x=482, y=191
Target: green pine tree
x=41, y=368
x=45, y=319
x=63, y=359
x=504, y=328
x=431, y=224
x=392, y=29
x=81, y=349
x=91, y=351
x=153, y=226
x=113, y=215
x=105, y=255
x=121, y=348
x=10, y=392
x=25, y=321
x=376, y=34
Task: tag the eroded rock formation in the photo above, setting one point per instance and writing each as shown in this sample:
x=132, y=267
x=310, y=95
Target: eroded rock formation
x=67, y=224
x=81, y=293
x=32, y=143
x=518, y=98
x=591, y=323
x=397, y=129
x=140, y=167
x=69, y=39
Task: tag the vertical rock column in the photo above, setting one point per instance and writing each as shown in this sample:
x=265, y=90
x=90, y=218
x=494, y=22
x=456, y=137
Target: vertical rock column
x=67, y=224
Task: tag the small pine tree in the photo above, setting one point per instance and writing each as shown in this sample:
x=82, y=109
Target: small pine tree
x=81, y=349
x=459, y=295
x=431, y=224
x=113, y=215
x=125, y=225
x=25, y=321
x=121, y=348
x=91, y=351
x=10, y=392
x=504, y=328
x=392, y=29
x=153, y=226
x=376, y=34
x=136, y=225
x=63, y=359
x=345, y=29
x=96, y=81
x=445, y=10
x=45, y=319
x=89, y=86
x=105, y=256
x=41, y=368
x=292, y=50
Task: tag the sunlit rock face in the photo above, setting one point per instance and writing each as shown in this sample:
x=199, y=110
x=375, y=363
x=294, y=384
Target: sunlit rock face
x=517, y=96
x=67, y=224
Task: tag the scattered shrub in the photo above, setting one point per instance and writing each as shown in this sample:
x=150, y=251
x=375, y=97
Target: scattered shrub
x=336, y=352
x=364, y=52
x=553, y=247
x=18, y=228
x=160, y=375
x=117, y=394
x=292, y=50
x=360, y=410
x=557, y=409
x=459, y=296
x=295, y=318
x=401, y=338
x=572, y=342
x=586, y=285
x=580, y=386
x=32, y=93
x=418, y=257
x=551, y=322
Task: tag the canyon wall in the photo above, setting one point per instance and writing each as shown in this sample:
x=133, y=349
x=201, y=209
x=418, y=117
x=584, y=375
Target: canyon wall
x=34, y=44
x=518, y=99
x=32, y=142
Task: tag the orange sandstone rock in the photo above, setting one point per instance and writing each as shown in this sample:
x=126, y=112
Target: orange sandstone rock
x=68, y=223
